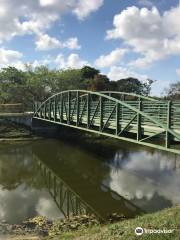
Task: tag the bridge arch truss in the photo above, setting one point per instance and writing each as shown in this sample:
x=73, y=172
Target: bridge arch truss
x=130, y=117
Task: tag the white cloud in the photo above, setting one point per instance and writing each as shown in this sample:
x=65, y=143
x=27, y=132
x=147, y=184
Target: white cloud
x=25, y=17
x=178, y=72
x=13, y=58
x=44, y=42
x=150, y=34
x=45, y=62
x=34, y=17
x=117, y=73
x=18, y=201
x=10, y=58
x=85, y=7
x=72, y=61
x=72, y=43
x=110, y=59
x=45, y=3
x=130, y=181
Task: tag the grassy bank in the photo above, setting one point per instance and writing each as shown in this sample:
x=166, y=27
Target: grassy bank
x=84, y=229
x=166, y=219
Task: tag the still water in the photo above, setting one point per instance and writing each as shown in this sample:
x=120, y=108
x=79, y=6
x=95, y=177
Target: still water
x=57, y=179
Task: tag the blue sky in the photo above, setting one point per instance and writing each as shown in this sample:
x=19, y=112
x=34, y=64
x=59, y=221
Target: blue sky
x=122, y=38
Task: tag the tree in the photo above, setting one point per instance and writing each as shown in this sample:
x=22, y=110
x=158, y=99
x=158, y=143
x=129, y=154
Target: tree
x=99, y=83
x=130, y=85
x=173, y=92
x=12, y=83
x=37, y=84
x=12, y=75
x=68, y=79
x=89, y=72
x=147, y=86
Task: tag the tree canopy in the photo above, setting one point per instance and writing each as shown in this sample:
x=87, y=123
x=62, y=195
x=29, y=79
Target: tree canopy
x=173, y=92
x=37, y=84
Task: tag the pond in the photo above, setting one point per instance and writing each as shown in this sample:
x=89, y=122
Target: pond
x=57, y=179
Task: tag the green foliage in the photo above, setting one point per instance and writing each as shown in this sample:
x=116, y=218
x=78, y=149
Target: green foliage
x=37, y=84
x=173, y=92
x=89, y=72
x=98, y=83
x=131, y=85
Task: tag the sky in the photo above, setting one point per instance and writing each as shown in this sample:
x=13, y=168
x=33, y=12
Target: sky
x=121, y=38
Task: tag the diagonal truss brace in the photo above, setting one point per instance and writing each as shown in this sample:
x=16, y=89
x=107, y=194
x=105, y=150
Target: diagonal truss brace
x=127, y=125
x=105, y=124
x=149, y=137
x=94, y=114
x=80, y=118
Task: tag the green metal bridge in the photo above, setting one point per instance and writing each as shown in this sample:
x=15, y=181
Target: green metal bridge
x=125, y=116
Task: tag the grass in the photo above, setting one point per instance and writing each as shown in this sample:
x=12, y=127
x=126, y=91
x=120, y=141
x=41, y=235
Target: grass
x=125, y=230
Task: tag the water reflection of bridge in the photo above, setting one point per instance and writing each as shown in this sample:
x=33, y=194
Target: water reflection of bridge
x=72, y=203
x=68, y=201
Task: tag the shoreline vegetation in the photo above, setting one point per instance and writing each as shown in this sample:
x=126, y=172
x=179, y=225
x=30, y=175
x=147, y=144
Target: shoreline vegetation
x=88, y=228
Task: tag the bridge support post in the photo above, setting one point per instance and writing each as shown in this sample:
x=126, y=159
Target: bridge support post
x=69, y=107
x=77, y=109
x=117, y=118
x=55, y=108
x=101, y=114
x=41, y=112
x=61, y=107
x=88, y=110
x=168, y=137
x=45, y=110
x=49, y=109
x=139, y=131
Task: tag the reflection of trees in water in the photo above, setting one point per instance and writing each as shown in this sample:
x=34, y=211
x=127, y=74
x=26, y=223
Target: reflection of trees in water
x=20, y=197
x=17, y=166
